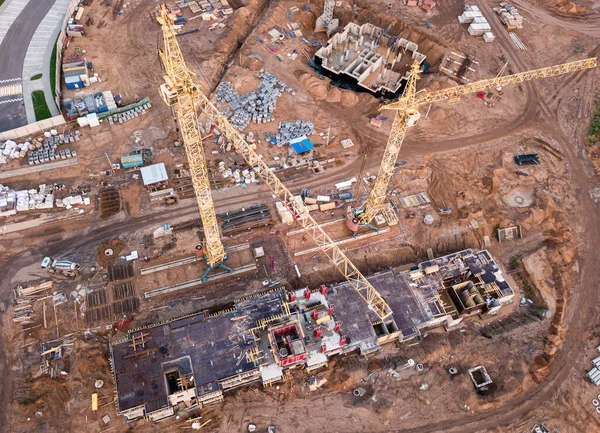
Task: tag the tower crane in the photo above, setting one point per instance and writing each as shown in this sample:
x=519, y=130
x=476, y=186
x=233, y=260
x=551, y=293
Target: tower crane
x=180, y=92
x=407, y=114
x=182, y=87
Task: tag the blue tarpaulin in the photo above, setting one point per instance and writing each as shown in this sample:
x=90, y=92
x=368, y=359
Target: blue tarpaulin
x=301, y=145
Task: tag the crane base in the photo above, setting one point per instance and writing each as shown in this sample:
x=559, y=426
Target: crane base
x=211, y=268
x=365, y=226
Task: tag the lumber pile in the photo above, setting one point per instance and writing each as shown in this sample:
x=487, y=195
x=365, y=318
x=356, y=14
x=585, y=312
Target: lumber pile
x=24, y=298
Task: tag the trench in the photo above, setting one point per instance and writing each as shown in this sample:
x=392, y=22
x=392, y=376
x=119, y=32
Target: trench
x=264, y=5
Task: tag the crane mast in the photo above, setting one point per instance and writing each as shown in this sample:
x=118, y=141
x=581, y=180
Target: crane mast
x=180, y=91
x=376, y=201
x=407, y=115
x=353, y=276
x=187, y=98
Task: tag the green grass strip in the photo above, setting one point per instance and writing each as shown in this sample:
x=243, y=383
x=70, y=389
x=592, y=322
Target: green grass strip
x=53, y=71
x=39, y=105
x=36, y=77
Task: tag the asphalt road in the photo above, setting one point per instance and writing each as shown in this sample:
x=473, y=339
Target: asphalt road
x=12, y=55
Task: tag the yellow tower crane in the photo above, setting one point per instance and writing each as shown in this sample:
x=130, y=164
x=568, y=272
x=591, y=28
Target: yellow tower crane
x=180, y=91
x=172, y=56
x=407, y=114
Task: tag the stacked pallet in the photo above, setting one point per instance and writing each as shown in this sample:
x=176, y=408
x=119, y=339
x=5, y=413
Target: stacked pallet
x=510, y=16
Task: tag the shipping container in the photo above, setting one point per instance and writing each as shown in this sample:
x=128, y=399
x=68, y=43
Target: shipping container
x=129, y=161
x=327, y=206
x=73, y=83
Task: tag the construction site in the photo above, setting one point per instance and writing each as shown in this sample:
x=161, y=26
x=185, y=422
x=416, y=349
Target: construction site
x=275, y=216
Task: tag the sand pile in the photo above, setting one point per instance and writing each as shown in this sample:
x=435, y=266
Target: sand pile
x=334, y=95
x=316, y=88
x=570, y=8
x=323, y=90
x=349, y=99
x=536, y=266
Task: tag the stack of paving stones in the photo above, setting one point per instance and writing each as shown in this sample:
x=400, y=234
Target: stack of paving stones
x=48, y=150
x=256, y=106
x=290, y=130
x=128, y=115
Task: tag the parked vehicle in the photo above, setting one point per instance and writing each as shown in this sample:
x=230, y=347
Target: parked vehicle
x=63, y=267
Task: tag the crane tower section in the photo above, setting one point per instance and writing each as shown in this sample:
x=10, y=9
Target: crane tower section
x=180, y=92
x=407, y=114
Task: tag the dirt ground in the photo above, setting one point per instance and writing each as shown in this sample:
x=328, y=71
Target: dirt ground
x=461, y=155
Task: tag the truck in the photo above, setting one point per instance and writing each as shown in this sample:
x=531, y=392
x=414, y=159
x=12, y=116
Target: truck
x=63, y=267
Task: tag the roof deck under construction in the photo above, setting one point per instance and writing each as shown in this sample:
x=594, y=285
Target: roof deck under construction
x=364, y=54
x=192, y=360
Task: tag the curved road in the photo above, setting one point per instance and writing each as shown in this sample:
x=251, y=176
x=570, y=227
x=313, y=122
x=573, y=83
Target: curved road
x=12, y=56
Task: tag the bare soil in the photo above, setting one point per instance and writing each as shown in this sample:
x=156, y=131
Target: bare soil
x=461, y=155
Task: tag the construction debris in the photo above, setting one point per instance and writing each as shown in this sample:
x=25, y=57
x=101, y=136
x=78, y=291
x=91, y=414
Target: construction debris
x=25, y=297
x=315, y=382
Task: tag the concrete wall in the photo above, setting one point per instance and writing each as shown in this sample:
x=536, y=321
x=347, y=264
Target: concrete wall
x=32, y=128
x=60, y=45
